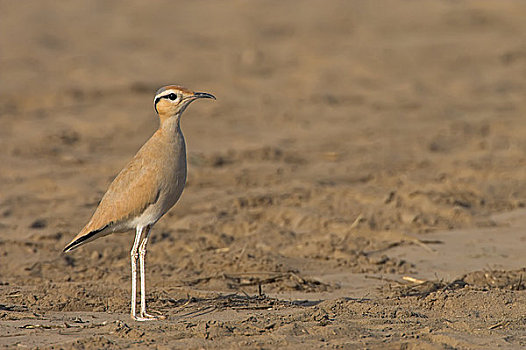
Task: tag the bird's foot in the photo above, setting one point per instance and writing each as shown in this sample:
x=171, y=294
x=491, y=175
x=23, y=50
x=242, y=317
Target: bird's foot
x=144, y=316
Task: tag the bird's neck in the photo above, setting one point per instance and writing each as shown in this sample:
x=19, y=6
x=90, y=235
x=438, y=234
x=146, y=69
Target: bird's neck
x=171, y=126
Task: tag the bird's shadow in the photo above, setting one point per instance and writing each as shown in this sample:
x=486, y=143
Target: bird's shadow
x=195, y=307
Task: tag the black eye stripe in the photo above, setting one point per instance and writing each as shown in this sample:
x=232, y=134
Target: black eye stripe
x=170, y=96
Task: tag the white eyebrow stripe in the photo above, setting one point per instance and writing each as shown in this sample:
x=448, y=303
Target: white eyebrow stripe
x=165, y=94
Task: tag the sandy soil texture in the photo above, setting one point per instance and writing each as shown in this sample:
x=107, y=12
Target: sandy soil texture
x=359, y=183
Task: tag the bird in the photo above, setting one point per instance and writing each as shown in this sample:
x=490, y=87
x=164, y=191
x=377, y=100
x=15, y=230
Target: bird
x=150, y=184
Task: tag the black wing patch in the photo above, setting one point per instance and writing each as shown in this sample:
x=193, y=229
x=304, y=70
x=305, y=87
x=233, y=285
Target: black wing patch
x=84, y=238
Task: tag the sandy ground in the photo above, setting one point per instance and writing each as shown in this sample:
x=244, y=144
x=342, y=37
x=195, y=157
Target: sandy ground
x=359, y=182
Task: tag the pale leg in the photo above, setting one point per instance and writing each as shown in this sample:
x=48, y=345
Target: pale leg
x=134, y=255
x=142, y=254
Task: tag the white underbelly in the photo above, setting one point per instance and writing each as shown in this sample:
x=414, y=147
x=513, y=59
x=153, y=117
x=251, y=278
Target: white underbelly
x=167, y=199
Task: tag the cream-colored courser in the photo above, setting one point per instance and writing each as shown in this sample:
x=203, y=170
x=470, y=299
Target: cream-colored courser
x=147, y=187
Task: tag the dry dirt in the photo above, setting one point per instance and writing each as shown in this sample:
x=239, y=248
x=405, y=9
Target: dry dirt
x=357, y=184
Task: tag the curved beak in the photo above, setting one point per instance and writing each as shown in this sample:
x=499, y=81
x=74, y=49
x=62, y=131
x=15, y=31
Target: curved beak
x=203, y=95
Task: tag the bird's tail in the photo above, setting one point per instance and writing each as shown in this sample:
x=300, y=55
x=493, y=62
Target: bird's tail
x=84, y=237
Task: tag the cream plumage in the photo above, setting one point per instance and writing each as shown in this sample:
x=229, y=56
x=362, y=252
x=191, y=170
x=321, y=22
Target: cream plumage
x=147, y=187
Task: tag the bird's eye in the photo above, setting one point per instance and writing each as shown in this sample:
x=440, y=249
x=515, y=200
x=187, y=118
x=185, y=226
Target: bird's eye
x=172, y=96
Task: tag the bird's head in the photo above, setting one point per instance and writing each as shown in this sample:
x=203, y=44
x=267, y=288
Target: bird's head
x=172, y=100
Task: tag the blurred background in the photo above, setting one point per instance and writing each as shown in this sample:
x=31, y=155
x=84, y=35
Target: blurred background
x=340, y=129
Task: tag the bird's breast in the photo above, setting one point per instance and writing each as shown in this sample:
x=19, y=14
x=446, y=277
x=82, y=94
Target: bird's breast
x=174, y=175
